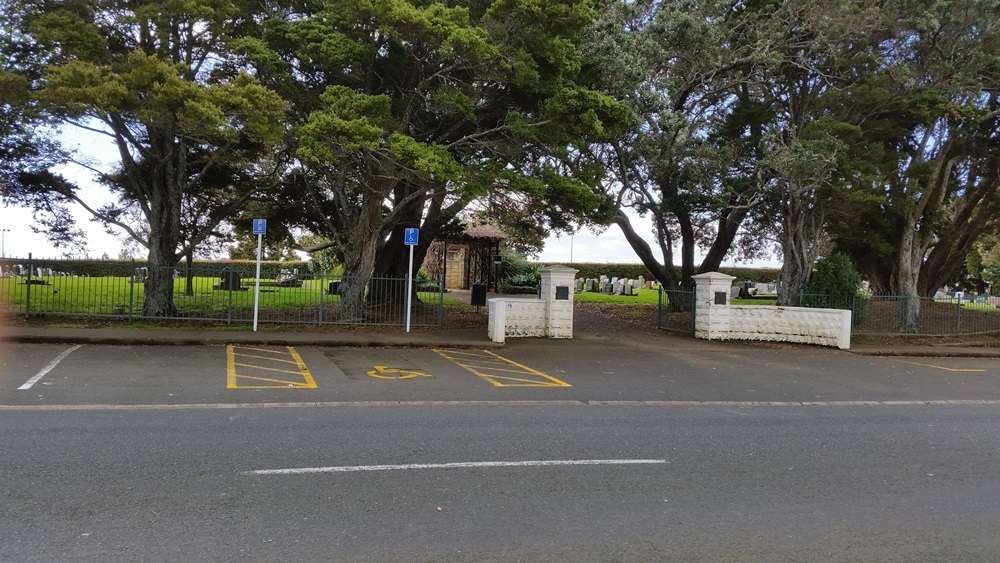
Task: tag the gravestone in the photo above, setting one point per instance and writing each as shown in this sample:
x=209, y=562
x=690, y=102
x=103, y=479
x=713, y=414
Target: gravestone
x=628, y=288
x=229, y=281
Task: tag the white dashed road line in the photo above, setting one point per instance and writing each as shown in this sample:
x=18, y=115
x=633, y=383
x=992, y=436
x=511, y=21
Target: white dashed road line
x=51, y=365
x=454, y=465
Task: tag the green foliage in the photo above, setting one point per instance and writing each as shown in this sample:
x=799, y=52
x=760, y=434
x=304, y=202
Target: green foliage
x=834, y=284
x=633, y=271
x=515, y=270
x=125, y=268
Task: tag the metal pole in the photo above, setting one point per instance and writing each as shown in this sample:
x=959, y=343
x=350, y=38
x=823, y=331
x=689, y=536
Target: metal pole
x=409, y=289
x=3, y=242
x=256, y=287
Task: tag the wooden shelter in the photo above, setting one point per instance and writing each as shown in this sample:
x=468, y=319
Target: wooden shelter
x=472, y=257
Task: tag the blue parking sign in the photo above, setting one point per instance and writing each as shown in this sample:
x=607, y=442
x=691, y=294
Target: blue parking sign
x=259, y=226
x=411, y=236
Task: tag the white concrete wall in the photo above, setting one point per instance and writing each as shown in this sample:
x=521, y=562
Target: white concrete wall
x=722, y=321
x=515, y=318
x=826, y=327
x=548, y=316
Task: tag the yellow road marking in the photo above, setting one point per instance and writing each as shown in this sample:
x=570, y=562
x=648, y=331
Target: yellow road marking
x=486, y=362
x=382, y=371
x=969, y=370
x=233, y=377
x=242, y=365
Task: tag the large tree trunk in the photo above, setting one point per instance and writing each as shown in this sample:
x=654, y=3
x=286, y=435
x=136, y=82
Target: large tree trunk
x=159, y=301
x=906, y=274
x=801, y=242
x=359, y=260
x=166, y=184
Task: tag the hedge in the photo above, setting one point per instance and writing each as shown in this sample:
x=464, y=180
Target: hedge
x=633, y=271
x=123, y=268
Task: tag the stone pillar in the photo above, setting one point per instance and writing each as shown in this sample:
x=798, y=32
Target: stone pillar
x=711, y=304
x=557, y=292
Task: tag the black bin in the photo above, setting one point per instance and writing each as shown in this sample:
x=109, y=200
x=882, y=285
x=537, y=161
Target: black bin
x=334, y=288
x=478, y=294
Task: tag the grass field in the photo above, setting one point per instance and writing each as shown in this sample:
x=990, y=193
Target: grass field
x=119, y=296
x=643, y=297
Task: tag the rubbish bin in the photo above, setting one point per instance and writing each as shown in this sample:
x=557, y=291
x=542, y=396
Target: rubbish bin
x=334, y=288
x=478, y=294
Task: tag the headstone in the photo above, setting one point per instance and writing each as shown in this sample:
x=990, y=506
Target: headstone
x=579, y=285
x=608, y=288
x=18, y=270
x=734, y=291
x=642, y=283
x=628, y=288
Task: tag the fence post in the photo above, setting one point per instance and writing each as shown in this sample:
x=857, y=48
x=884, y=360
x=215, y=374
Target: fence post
x=27, y=296
x=659, y=307
x=322, y=284
x=958, y=317
x=131, y=288
x=441, y=303
x=694, y=306
x=229, y=294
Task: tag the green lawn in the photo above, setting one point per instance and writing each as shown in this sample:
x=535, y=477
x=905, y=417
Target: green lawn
x=119, y=296
x=643, y=297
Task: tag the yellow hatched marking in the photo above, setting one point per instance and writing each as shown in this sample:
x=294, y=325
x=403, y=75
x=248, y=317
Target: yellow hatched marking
x=969, y=370
x=282, y=382
x=487, y=360
x=270, y=359
x=233, y=378
x=242, y=365
x=268, y=350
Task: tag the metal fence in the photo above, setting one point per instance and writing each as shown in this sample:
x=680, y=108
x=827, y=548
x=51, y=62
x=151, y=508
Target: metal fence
x=221, y=295
x=895, y=315
x=675, y=310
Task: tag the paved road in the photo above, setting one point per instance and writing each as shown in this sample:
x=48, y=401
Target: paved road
x=710, y=452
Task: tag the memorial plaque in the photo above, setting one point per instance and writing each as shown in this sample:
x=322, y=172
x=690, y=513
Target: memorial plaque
x=562, y=292
x=720, y=297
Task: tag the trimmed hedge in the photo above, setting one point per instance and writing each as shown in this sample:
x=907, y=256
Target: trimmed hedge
x=633, y=271
x=123, y=268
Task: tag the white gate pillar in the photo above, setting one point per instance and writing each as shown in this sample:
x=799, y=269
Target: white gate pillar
x=557, y=292
x=711, y=304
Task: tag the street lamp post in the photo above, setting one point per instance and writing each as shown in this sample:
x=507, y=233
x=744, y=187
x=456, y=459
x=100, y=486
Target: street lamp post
x=3, y=240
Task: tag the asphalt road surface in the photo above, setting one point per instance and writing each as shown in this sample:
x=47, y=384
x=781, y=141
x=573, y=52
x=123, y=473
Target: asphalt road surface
x=541, y=451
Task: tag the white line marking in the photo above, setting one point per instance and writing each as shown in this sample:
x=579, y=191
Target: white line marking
x=547, y=403
x=455, y=465
x=29, y=383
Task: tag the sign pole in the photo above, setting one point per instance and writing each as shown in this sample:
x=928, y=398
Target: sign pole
x=410, y=238
x=259, y=228
x=409, y=289
x=256, y=287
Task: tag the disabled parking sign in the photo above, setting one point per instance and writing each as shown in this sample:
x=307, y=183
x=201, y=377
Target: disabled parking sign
x=411, y=236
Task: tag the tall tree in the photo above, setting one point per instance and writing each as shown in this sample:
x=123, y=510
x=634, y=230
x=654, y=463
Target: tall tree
x=691, y=162
x=405, y=112
x=934, y=113
x=146, y=75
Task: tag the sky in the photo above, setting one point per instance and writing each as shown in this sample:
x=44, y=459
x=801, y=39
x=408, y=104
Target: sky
x=18, y=239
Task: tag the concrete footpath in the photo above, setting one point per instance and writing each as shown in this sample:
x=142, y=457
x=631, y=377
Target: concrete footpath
x=419, y=338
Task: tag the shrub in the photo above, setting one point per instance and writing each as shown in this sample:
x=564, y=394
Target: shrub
x=835, y=284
